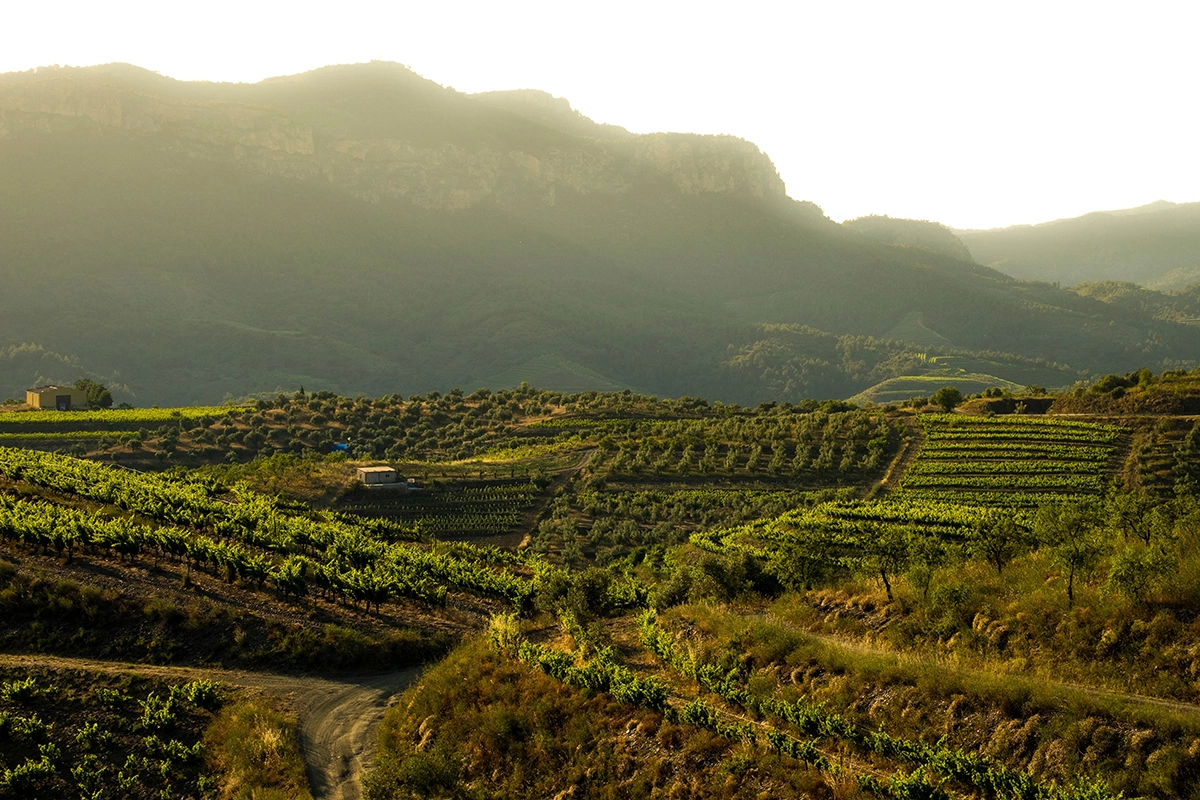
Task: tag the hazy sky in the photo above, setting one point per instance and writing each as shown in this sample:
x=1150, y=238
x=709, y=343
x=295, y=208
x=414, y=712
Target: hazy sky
x=970, y=113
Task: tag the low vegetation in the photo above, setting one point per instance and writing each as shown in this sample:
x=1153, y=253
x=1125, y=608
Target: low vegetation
x=252, y=747
x=85, y=734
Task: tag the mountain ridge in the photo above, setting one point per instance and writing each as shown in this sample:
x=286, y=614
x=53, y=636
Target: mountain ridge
x=209, y=239
x=264, y=129
x=1156, y=245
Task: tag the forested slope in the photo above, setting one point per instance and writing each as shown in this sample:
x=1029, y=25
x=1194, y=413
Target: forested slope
x=361, y=229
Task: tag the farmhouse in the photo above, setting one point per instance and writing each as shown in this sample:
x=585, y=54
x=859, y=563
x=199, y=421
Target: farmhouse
x=377, y=476
x=62, y=398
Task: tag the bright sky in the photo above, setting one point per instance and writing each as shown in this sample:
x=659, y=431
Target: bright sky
x=975, y=114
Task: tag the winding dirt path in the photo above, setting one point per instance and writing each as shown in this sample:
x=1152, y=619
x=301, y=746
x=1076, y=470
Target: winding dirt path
x=337, y=718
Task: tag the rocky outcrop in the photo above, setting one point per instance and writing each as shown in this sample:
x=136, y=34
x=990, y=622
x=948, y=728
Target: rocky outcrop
x=267, y=141
x=705, y=164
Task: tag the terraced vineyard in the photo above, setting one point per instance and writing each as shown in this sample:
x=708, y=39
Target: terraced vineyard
x=968, y=469
x=239, y=534
x=663, y=506
x=1010, y=461
x=1166, y=455
x=484, y=510
x=838, y=539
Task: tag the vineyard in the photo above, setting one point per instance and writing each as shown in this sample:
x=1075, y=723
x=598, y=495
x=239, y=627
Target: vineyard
x=490, y=510
x=74, y=735
x=1013, y=461
x=732, y=699
x=235, y=532
x=967, y=469
x=807, y=731
x=1166, y=455
x=652, y=482
x=636, y=514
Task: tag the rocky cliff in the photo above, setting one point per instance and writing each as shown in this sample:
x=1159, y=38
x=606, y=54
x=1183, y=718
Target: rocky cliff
x=244, y=126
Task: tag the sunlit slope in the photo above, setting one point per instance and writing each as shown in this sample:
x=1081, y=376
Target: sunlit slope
x=1156, y=245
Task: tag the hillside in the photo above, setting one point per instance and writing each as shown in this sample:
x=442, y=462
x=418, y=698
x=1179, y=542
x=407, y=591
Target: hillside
x=931, y=236
x=1157, y=246
x=623, y=593
x=363, y=230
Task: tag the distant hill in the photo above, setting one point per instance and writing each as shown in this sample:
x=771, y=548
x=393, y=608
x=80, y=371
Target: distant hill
x=931, y=236
x=912, y=329
x=1156, y=245
x=1136, y=301
x=361, y=229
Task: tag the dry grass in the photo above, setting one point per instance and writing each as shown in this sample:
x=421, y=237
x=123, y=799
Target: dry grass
x=253, y=748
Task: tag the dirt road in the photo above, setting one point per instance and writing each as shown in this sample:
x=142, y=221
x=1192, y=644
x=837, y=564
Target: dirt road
x=900, y=463
x=337, y=717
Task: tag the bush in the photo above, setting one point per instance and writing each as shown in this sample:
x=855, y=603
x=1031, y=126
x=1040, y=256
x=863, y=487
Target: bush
x=252, y=745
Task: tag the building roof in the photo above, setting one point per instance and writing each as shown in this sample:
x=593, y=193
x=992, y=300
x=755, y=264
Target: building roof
x=53, y=388
x=376, y=469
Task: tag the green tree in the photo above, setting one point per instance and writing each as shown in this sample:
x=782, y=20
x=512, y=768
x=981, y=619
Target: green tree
x=1126, y=513
x=1136, y=568
x=802, y=565
x=998, y=539
x=98, y=395
x=927, y=554
x=948, y=397
x=888, y=551
x=1071, y=532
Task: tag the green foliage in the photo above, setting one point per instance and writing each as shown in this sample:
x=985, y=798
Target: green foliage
x=998, y=538
x=947, y=397
x=946, y=764
x=534, y=736
x=1070, y=530
x=65, y=420
x=49, y=752
x=355, y=565
x=253, y=746
x=1010, y=461
x=98, y=395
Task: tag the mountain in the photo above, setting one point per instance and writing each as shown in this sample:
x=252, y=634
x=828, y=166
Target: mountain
x=931, y=236
x=1156, y=245
x=364, y=230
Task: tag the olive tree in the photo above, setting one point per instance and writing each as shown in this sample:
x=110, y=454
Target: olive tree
x=1072, y=533
x=948, y=397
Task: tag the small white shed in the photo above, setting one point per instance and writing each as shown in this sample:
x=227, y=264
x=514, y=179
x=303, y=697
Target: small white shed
x=377, y=476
